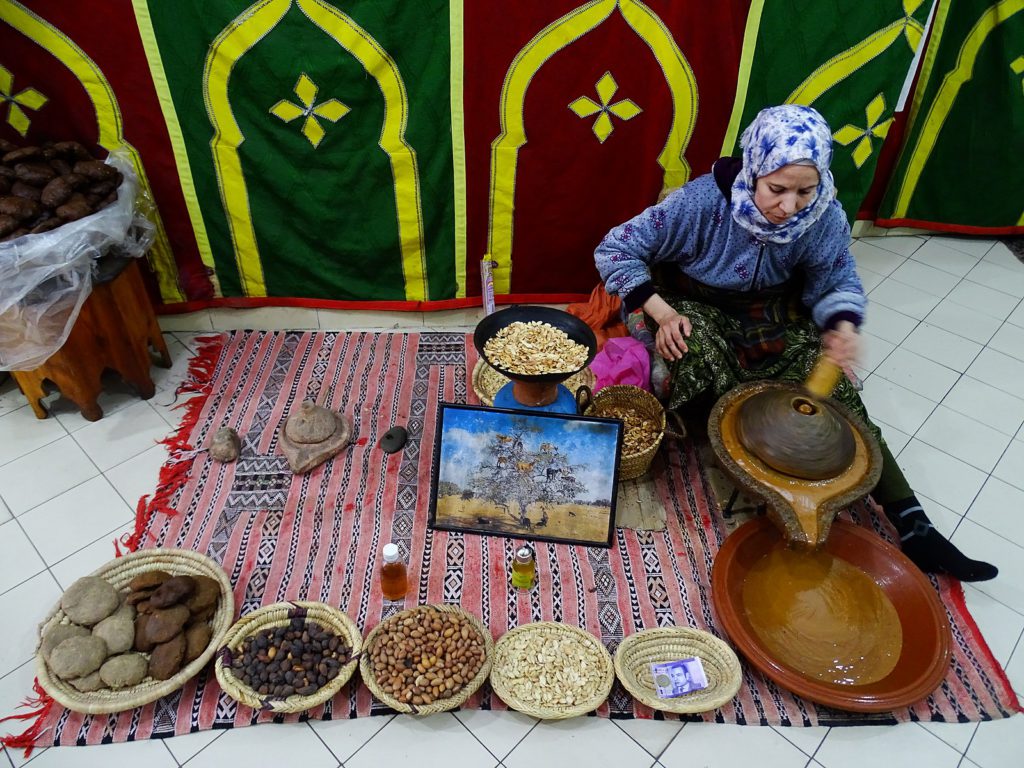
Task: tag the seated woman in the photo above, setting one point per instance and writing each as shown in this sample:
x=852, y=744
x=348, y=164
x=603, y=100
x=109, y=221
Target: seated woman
x=755, y=277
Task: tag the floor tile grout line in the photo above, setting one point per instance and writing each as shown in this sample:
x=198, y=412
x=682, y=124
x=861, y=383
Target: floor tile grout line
x=167, y=747
x=954, y=747
x=327, y=746
x=521, y=740
x=630, y=736
x=49, y=566
x=15, y=515
x=49, y=442
x=391, y=719
x=486, y=748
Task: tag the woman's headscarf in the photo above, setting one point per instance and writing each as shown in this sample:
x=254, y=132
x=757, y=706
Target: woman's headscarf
x=782, y=136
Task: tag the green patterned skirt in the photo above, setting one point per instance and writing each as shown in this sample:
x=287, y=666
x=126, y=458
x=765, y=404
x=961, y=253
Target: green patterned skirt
x=738, y=337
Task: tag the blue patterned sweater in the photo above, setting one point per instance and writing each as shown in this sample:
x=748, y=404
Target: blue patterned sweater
x=693, y=229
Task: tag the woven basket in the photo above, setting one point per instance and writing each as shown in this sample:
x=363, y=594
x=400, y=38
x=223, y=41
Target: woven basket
x=442, y=705
x=279, y=615
x=541, y=631
x=487, y=381
x=120, y=572
x=637, y=652
x=639, y=401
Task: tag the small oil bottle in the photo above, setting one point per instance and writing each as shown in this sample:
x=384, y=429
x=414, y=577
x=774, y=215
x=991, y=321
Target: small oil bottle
x=394, y=581
x=524, y=569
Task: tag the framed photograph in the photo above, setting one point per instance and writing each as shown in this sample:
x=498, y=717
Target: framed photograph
x=525, y=474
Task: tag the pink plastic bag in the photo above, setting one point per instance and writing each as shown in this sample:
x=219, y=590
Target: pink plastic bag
x=622, y=361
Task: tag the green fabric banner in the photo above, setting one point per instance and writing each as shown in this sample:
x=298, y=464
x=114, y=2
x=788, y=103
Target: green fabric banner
x=852, y=75
x=970, y=94
x=315, y=136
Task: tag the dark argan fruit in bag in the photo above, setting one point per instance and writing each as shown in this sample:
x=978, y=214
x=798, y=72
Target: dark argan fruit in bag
x=104, y=188
x=72, y=150
x=75, y=208
x=19, y=232
x=96, y=170
x=61, y=166
x=7, y=146
x=27, y=191
x=77, y=181
x=7, y=224
x=111, y=198
x=20, y=208
x=22, y=155
x=36, y=174
x=8, y=173
x=46, y=226
x=5, y=185
x=56, y=192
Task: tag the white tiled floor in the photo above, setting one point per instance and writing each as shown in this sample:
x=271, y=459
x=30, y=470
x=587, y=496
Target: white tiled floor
x=944, y=375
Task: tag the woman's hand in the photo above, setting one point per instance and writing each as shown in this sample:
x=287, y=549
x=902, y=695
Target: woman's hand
x=673, y=328
x=842, y=345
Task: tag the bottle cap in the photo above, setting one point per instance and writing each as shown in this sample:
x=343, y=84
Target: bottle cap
x=524, y=554
x=391, y=553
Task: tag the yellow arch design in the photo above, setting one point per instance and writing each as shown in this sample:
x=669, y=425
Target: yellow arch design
x=108, y=121
x=235, y=41
x=527, y=63
x=946, y=96
x=844, y=64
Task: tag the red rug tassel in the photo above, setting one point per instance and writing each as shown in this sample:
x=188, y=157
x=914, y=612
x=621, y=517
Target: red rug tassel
x=40, y=704
x=174, y=473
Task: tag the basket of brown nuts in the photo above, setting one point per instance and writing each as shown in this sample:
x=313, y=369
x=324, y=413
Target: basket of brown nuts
x=551, y=671
x=288, y=657
x=137, y=629
x=427, y=659
x=643, y=420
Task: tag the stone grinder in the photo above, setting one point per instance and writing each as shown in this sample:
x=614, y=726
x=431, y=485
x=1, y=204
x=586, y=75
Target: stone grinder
x=805, y=455
x=824, y=607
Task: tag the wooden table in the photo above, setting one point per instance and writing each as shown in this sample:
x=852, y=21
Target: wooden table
x=115, y=330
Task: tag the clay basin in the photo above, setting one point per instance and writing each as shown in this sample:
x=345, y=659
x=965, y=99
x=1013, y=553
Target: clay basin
x=924, y=653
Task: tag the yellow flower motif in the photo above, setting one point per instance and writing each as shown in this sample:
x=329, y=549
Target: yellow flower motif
x=29, y=98
x=876, y=127
x=306, y=90
x=1017, y=65
x=606, y=88
x=911, y=26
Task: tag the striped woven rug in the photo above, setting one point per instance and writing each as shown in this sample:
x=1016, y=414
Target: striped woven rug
x=318, y=536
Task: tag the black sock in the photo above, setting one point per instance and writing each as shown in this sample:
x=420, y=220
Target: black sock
x=930, y=550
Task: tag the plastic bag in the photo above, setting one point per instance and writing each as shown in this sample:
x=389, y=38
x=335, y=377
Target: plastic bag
x=46, y=278
x=622, y=361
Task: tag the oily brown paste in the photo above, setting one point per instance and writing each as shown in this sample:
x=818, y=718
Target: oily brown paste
x=822, y=616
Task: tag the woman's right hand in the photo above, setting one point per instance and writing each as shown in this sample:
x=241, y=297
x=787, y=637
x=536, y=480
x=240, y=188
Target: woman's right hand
x=673, y=328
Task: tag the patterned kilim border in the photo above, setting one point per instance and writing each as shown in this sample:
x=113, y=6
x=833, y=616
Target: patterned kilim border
x=317, y=536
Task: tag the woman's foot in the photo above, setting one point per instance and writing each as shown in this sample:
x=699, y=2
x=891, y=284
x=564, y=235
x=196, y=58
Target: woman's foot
x=930, y=550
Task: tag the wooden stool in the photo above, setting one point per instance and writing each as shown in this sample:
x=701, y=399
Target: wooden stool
x=114, y=330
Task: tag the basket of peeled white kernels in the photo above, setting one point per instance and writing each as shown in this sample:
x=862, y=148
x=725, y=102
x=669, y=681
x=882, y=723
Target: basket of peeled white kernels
x=643, y=419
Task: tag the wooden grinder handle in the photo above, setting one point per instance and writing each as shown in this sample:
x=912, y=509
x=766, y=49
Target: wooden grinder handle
x=823, y=378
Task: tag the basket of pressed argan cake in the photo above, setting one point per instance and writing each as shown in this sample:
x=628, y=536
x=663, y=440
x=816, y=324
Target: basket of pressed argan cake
x=551, y=671
x=427, y=659
x=134, y=631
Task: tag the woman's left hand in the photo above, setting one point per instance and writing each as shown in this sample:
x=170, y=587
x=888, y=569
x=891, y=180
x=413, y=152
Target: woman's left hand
x=842, y=344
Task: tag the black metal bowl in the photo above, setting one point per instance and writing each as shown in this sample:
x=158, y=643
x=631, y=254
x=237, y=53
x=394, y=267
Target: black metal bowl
x=574, y=328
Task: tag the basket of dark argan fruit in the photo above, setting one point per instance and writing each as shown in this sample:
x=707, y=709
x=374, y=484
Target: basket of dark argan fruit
x=288, y=657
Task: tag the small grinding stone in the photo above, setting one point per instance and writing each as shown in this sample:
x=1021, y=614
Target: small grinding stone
x=90, y=600
x=117, y=631
x=89, y=683
x=58, y=634
x=394, y=440
x=124, y=670
x=78, y=657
